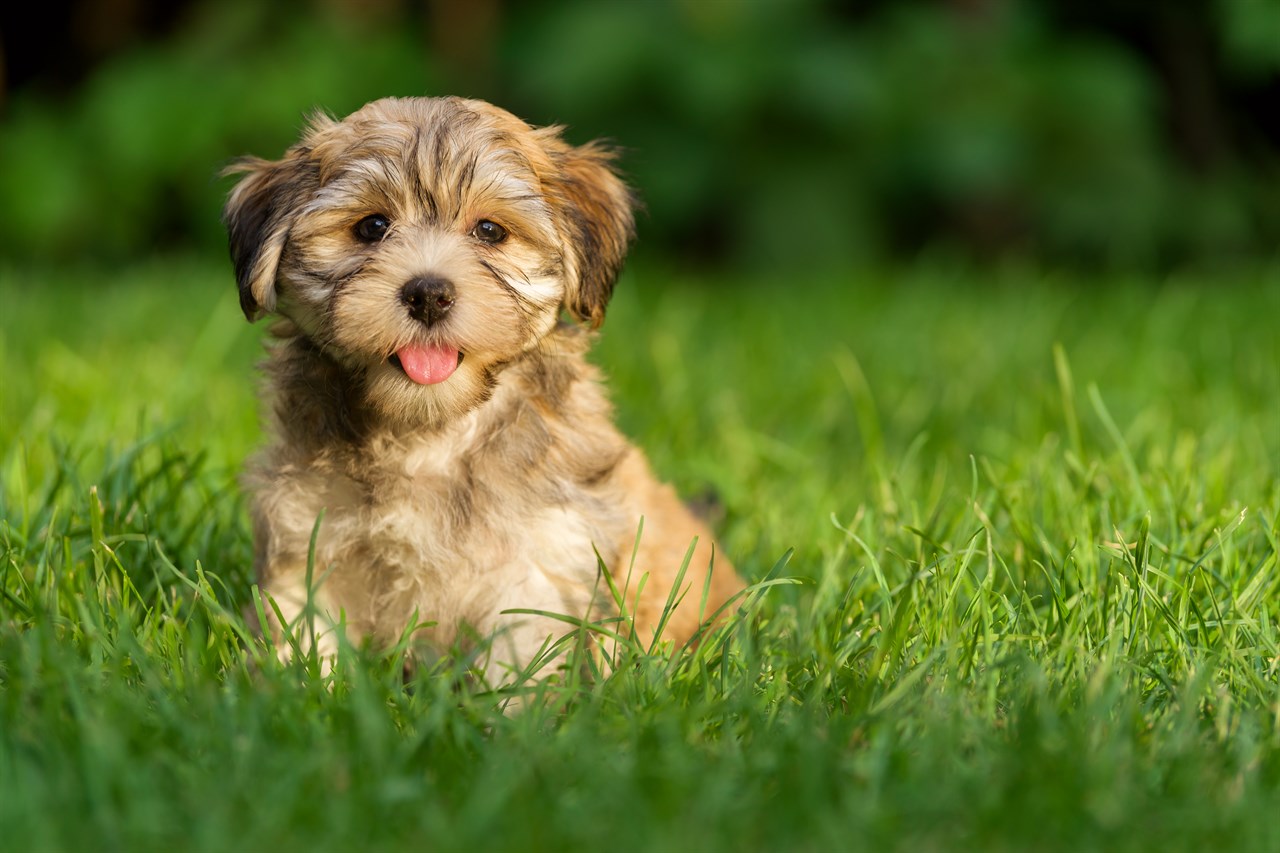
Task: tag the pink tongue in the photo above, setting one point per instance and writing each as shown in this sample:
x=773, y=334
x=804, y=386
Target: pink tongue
x=428, y=365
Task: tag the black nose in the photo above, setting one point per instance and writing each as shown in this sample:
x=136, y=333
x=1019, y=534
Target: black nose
x=428, y=299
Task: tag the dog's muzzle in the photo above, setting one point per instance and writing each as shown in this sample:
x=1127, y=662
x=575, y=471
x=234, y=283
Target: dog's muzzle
x=428, y=299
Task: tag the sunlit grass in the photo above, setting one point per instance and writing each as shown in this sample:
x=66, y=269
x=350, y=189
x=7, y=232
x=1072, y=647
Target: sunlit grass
x=1034, y=520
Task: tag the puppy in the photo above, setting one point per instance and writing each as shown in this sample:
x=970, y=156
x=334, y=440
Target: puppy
x=429, y=397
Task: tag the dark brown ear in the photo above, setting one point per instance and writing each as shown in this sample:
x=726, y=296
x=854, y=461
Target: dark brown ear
x=258, y=215
x=598, y=215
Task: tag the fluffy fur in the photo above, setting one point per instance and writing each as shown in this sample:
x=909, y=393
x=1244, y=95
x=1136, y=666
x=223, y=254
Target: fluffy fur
x=452, y=502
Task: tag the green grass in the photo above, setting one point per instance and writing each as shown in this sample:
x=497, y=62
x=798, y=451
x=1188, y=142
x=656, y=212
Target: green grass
x=1035, y=520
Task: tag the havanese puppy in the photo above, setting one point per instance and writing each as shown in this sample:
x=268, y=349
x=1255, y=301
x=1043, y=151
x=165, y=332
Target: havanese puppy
x=436, y=266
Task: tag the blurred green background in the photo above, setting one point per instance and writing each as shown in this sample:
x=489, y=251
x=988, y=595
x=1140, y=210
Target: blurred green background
x=778, y=136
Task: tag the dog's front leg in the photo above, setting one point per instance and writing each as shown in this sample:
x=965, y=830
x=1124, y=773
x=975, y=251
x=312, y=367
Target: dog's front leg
x=302, y=619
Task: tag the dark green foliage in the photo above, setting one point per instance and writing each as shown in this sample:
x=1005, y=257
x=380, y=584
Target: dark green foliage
x=777, y=135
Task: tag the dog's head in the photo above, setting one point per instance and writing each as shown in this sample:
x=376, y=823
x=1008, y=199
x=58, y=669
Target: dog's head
x=422, y=243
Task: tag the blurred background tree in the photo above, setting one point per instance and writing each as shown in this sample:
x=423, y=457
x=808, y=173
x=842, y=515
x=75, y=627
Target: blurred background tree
x=771, y=135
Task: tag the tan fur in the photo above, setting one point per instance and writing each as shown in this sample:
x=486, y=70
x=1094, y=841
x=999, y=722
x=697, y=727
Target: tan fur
x=493, y=490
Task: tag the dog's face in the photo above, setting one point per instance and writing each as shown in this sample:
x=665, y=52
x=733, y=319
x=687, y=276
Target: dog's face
x=423, y=243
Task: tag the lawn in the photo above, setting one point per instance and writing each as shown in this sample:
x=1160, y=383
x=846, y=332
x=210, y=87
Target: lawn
x=1028, y=526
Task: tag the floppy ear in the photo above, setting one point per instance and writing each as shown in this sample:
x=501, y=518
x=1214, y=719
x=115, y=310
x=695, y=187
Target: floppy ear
x=597, y=211
x=258, y=216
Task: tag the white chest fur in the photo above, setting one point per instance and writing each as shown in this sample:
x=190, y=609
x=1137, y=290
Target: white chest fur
x=439, y=532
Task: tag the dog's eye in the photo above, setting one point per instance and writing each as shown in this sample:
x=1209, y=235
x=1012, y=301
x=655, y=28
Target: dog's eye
x=489, y=232
x=373, y=228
